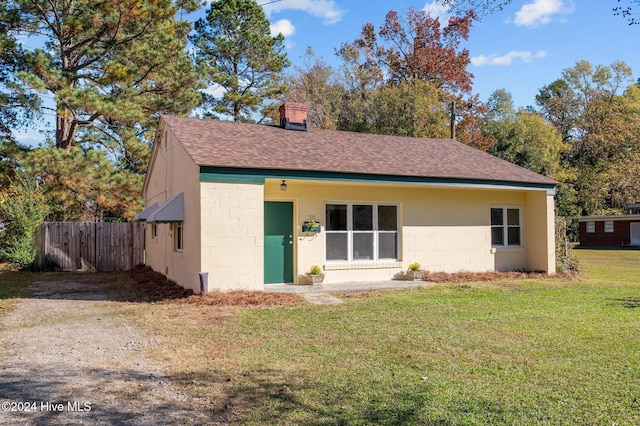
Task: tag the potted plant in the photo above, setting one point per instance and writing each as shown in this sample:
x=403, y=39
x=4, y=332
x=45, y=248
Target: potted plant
x=315, y=274
x=414, y=273
x=311, y=226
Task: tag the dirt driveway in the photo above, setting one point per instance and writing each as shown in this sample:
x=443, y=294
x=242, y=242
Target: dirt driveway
x=69, y=356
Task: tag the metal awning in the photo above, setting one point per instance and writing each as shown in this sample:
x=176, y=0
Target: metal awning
x=144, y=214
x=171, y=211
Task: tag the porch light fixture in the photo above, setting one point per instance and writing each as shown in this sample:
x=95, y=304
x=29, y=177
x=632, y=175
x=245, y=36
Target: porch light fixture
x=283, y=185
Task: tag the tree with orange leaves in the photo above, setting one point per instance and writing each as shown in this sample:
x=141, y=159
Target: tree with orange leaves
x=420, y=48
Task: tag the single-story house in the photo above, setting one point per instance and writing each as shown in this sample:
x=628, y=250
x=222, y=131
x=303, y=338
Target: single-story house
x=249, y=205
x=611, y=230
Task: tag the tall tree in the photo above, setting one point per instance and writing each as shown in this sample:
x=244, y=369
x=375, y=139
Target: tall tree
x=83, y=184
x=317, y=85
x=560, y=105
x=110, y=65
x=10, y=154
x=588, y=111
x=16, y=103
x=235, y=50
x=409, y=108
x=420, y=48
x=602, y=127
x=361, y=78
x=523, y=138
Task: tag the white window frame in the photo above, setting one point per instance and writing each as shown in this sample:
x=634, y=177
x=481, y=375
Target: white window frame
x=505, y=227
x=608, y=227
x=154, y=231
x=590, y=227
x=376, y=232
x=178, y=236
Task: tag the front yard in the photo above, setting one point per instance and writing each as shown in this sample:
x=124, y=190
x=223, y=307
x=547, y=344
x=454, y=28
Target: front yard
x=545, y=351
x=519, y=352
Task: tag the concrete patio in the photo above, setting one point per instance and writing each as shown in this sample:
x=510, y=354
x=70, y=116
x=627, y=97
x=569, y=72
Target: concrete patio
x=347, y=287
x=321, y=293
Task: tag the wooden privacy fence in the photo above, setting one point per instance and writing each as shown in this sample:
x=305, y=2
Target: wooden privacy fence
x=100, y=246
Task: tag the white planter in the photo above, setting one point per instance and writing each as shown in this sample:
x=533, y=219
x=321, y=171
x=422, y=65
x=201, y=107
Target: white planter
x=415, y=275
x=316, y=279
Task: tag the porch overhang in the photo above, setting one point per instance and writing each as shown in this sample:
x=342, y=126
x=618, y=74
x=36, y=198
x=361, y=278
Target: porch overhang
x=144, y=214
x=171, y=211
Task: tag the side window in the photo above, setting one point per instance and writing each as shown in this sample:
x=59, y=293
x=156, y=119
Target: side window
x=336, y=232
x=591, y=227
x=178, y=236
x=387, y=232
x=506, y=228
x=608, y=226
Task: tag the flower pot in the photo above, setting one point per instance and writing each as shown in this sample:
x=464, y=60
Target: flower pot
x=415, y=275
x=316, y=278
x=314, y=227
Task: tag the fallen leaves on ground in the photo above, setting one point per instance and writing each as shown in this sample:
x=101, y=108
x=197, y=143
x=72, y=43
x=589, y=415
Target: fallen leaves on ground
x=464, y=277
x=153, y=286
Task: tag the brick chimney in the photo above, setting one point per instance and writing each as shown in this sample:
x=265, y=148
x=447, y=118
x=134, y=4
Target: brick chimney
x=293, y=116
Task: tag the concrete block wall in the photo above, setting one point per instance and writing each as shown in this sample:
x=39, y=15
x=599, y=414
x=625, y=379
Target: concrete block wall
x=449, y=248
x=232, y=229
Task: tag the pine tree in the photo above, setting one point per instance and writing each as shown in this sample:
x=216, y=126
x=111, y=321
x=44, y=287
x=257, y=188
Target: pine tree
x=236, y=51
x=109, y=65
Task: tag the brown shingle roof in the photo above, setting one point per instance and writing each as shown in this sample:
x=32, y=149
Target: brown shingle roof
x=244, y=145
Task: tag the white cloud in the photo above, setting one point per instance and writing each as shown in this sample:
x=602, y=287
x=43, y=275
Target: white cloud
x=437, y=9
x=215, y=90
x=325, y=9
x=283, y=26
x=32, y=138
x=505, y=60
x=540, y=12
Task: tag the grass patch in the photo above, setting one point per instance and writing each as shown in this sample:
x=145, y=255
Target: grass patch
x=610, y=266
x=14, y=285
x=547, y=351
x=512, y=351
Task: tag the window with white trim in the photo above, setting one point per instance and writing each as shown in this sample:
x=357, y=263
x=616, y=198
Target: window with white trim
x=361, y=232
x=591, y=227
x=506, y=228
x=608, y=226
x=154, y=231
x=178, y=236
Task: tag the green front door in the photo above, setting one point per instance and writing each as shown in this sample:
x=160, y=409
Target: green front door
x=278, y=242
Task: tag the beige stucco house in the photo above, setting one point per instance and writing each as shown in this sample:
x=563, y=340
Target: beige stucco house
x=251, y=205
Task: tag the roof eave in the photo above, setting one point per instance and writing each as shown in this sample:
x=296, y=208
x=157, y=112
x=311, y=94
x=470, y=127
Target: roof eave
x=234, y=174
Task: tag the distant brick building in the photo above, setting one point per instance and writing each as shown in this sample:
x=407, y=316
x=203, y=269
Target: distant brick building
x=612, y=230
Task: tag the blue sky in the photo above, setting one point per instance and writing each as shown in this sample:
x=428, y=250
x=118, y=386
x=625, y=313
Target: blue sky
x=521, y=48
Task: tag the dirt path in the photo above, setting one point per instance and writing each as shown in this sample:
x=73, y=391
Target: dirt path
x=67, y=356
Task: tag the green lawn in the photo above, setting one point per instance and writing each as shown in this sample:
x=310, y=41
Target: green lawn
x=522, y=352
x=555, y=352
